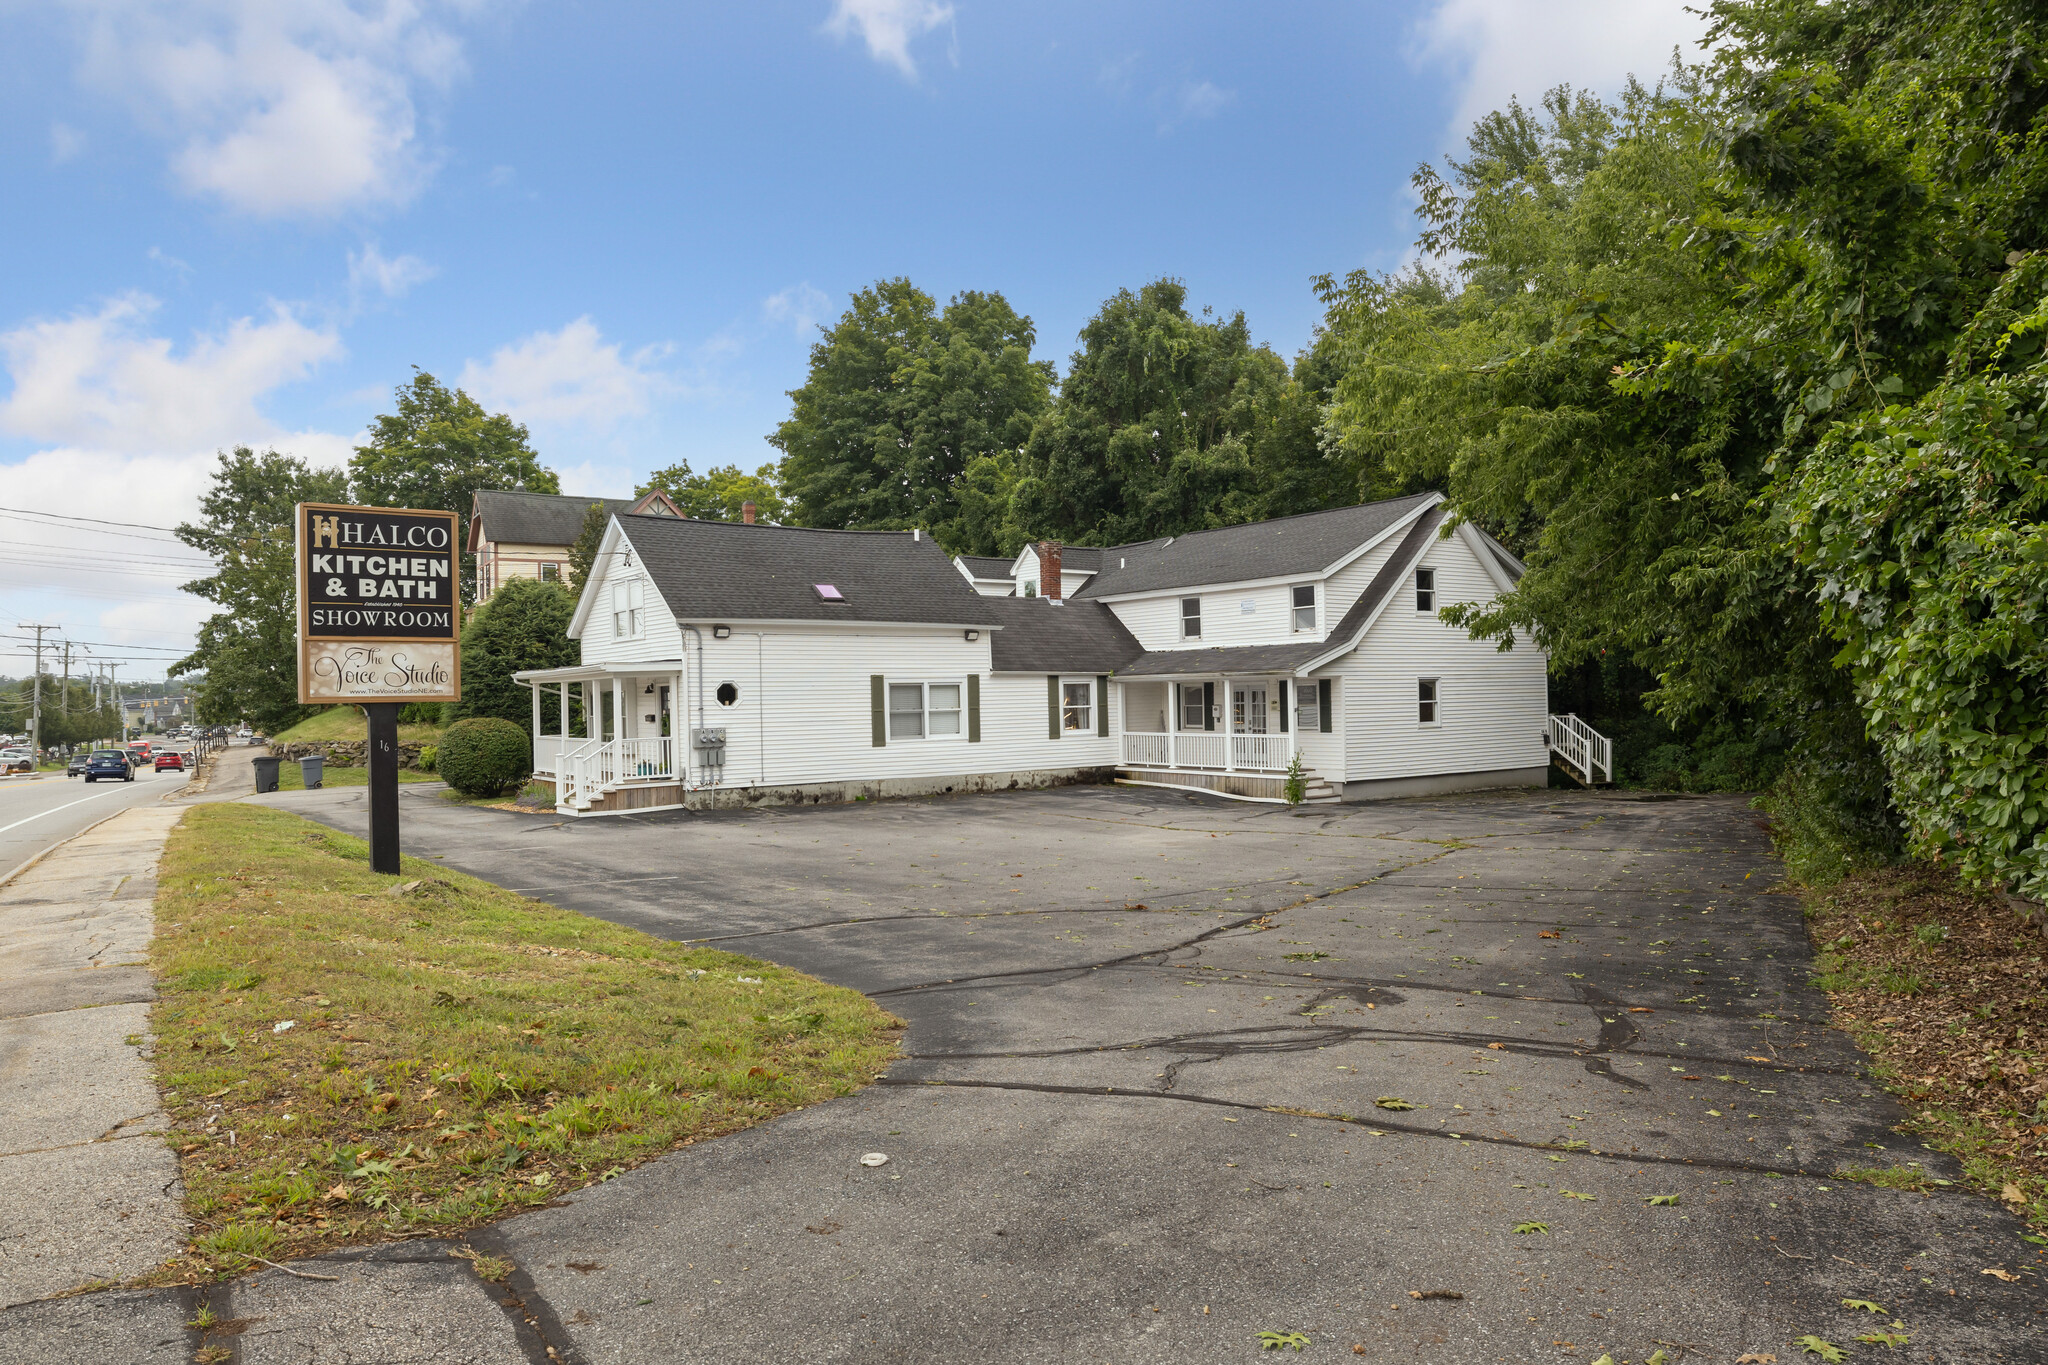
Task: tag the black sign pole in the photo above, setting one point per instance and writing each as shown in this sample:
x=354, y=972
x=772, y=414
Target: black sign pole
x=383, y=786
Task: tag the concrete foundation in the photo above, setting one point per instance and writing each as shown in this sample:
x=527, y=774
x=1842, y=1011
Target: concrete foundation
x=674, y=796
x=1437, y=784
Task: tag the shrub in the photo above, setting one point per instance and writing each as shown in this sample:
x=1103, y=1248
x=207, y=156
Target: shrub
x=524, y=625
x=484, y=756
x=430, y=756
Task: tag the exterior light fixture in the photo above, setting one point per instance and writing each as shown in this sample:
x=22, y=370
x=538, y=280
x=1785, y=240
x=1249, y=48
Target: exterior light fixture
x=721, y=632
x=974, y=635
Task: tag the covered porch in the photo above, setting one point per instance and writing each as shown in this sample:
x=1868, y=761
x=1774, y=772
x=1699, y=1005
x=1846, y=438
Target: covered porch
x=1230, y=733
x=624, y=713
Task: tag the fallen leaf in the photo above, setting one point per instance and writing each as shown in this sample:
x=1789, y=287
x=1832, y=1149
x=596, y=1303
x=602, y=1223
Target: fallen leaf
x=1548, y=933
x=1756, y=1358
x=341, y=1193
x=1886, y=1338
x=1574, y=1194
x=1865, y=1304
x=1662, y=1200
x=1273, y=1341
x=1640, y=1009
x=1765, y=1060
x=1434, y=1294
x=2013, y=1194
x=2005, y=1275
x=1532, y=1227
x=1826, y=1350
x=1498, y=1047
x=1394, y=1102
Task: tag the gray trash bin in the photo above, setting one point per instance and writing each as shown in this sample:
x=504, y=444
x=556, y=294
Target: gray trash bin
x=313, y=767
x=266, y=773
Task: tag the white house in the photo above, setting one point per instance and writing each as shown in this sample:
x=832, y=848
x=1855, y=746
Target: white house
x=726, y=663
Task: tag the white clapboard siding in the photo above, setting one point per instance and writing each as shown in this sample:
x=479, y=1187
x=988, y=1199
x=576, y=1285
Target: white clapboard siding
x=1491, y=707
x=659, y=636
x=1155, y=621
x=1225, y=623
x=804, y=710
x=1322, y=754
x=1348, y=582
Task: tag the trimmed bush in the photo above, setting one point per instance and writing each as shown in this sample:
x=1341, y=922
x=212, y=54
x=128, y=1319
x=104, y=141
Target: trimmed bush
x=485, y=756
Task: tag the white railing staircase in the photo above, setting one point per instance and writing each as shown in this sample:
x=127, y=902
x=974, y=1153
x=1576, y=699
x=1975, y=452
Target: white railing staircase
x=1586, y=755
x=585, y=773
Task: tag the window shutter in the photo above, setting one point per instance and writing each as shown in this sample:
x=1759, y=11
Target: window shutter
x=1102, y=707
x=1283, y=706
x=974, y=708
x=1208, y=706
x=878, y=712
x=1052, y=706
x=1323, y=705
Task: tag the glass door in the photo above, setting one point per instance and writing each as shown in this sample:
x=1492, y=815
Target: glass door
x=1248, y=709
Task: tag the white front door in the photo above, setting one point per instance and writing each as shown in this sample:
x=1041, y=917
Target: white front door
x=1248, y=709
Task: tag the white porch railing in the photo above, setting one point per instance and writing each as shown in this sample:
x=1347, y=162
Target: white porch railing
x=593, y=767
x=1259, y=752
x=1207, y=749
x=1583, y=747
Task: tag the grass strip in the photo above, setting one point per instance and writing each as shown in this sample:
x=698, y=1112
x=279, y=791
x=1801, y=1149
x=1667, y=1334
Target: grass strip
x=349, y=723
x=290, y=778
x=347, y=1057
x=1942, y=986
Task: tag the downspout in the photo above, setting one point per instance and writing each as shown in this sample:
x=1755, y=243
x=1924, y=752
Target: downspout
x=761, y=704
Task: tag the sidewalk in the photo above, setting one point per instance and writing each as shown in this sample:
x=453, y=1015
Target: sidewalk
x=88, y=1191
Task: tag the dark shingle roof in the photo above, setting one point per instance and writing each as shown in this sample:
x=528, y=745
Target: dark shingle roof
x=537, y=518
x=1073, y=637
x=987, y=566
x=1302, y=544
x=728, y=571
x=1169, y=663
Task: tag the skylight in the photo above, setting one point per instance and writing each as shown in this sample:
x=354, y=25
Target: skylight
x=829, y=593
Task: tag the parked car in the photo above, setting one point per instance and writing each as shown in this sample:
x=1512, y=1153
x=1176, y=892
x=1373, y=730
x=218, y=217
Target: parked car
x=77, y=763
x=110, y=763
x=170, y=758
x=16, y=761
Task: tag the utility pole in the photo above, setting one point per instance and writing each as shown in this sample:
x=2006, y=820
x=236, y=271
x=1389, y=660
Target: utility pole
x=64, y=694
x=36, y=703
x=114, y=686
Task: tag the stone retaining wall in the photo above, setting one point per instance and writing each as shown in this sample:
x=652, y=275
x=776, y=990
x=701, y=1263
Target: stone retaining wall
x=344, y=753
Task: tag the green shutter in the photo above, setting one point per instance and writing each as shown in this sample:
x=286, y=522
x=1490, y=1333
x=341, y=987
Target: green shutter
x=1283, y=706
x=1208, y=706
x=1052, y=706
x=974, y=708
x=878, y=711
x=1102, y=707
x=1323, y=705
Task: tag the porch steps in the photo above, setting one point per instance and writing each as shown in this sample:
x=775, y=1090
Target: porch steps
x=1584, y=754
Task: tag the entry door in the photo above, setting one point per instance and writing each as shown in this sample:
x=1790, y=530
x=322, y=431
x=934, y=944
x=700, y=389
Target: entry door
x=1248, y=710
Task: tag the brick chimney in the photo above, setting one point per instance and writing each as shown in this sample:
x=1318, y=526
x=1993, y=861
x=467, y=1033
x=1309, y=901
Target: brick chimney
x=1049, y=569
x=747, y=513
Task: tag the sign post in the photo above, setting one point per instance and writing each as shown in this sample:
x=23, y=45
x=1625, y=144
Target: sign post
x=379, y=620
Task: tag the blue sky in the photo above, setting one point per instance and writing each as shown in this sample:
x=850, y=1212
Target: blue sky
x=245, y=220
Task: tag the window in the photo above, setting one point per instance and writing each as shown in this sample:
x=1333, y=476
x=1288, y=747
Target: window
x=550, y=573
x=1193, y=715
x=1307, y=715
x=1305, y=607
x=828, y=593
x=1425, y=700
x=1077, y=707
x=1190, y=618
x=924, y=710
x=626, y=608
x=1425, y=590
x=727, y=694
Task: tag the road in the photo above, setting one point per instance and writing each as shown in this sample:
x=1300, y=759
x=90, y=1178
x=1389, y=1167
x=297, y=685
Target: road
x=37, y=811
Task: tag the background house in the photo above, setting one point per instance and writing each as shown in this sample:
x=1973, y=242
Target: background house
x=529, y=535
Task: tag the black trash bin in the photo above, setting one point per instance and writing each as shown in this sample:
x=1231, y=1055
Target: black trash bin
x=266, y=773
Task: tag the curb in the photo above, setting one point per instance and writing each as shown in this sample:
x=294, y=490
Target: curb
x=38, y=857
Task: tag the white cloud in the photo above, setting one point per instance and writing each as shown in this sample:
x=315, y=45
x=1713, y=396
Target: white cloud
x=800, y=306
x=1502, y=48
x=571, y=375
x=277, y=107
x=391, y=276
x=1200, y=99
x=66, y=143
x=889, y=26
x=98, y=380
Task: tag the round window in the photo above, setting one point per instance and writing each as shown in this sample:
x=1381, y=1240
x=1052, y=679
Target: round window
x=727, y=694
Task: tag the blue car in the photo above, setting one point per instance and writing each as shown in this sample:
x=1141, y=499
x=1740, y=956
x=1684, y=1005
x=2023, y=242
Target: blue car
x=109, y=763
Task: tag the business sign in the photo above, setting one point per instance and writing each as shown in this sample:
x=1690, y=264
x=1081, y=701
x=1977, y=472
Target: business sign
x=379, y=604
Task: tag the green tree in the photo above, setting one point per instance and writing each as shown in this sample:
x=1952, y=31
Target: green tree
x=438, y=450
x=524, y=625
x=583, y=553
x=899, y=400
x=1165, y=423
x=719, y=494
x=249, y=647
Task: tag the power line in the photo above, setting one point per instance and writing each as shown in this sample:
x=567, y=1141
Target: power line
x=97, y=521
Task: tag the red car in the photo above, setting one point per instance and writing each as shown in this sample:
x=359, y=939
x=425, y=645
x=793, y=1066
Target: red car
x=168, y=759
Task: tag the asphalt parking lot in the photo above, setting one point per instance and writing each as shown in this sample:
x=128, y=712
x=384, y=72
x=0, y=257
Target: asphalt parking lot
x=1142, y=1112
